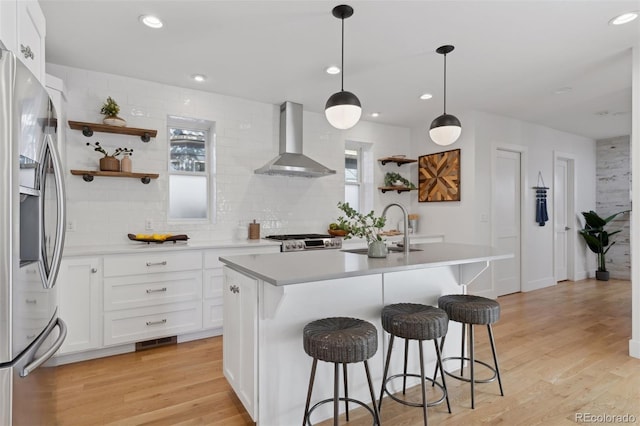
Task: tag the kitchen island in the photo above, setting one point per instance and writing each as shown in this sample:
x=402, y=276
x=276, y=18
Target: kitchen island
x=268, y=299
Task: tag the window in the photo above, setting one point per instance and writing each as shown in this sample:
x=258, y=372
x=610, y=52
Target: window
x=358, y=175
x=190, y=169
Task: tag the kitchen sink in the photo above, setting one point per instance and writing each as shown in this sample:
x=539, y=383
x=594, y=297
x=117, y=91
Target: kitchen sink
x=391, y=250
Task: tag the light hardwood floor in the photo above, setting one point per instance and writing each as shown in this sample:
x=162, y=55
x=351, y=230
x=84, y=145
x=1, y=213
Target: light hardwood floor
x=562, y=352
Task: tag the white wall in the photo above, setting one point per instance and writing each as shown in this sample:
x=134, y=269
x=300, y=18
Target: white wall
x=105, y=210
x=464, y=221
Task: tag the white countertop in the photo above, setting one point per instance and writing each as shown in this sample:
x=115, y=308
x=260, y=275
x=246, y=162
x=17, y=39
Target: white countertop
x=140, y=247
x=299, y=267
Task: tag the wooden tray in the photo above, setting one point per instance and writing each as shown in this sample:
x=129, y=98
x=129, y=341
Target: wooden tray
x=173, y=238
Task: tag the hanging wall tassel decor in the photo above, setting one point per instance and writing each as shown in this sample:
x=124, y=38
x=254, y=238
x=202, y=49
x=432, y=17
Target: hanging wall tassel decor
x=541, y=201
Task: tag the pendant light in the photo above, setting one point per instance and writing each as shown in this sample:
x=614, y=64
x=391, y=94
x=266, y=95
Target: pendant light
x=446, y=128
x=343, y=108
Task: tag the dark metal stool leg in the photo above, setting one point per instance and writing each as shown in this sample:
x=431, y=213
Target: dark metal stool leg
x=336, y=392
x=406, y=359
x=444, y=383
x=376, y=413
x=386, y=371
x=471, y=366
x=423, y=384
x=346, y=392
x=435, y=372
x=462, y=353
x=495, y=357
x=311, y=379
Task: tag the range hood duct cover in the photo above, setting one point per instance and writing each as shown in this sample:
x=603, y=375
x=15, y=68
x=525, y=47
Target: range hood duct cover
x=291, y=161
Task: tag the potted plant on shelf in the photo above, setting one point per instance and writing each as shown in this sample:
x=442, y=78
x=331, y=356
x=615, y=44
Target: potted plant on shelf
x=396, y=180
x=110, y=162
x=110, y=110
x=598, y=239
x=366, y=226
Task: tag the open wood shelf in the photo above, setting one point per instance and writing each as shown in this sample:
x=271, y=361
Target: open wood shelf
x=398, y=160
x=88, y=175
x=396, y=188
x=88, y=129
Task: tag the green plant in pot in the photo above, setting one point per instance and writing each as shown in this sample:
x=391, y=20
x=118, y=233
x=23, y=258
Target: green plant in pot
x=598, y=239
x=367, y=226
x=110, y=110
x=393, y=179
x=110, y=162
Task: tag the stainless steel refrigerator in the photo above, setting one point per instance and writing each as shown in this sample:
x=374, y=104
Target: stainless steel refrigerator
x=32, y=217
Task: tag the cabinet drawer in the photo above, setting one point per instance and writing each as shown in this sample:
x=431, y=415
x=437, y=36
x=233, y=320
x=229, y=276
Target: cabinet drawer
x=137, y=291
x=213, y=281
x=133, y=325
x=212, y=311
x=115, y=266
x=211, y=256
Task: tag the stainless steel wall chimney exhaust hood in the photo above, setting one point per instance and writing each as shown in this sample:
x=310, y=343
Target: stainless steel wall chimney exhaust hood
x=291, y=161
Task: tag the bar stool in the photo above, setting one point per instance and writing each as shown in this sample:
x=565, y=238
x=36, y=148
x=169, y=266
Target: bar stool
x=470, y=310
x=340, y=340
x=412, y=321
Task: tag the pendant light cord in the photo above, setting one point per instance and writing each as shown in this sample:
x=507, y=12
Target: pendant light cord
x=342, y=59
x=445, y=84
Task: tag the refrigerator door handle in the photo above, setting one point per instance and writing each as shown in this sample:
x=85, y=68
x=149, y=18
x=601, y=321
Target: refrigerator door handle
x=49, y=353
x=62, y=215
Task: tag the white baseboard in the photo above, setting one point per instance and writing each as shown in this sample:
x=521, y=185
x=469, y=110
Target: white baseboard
x=582, y=275
x=538, y=284
x=634, y=348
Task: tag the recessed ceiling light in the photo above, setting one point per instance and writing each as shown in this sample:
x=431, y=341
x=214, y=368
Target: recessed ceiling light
x=375, y=114
x=333, y=69
x=151, y=21
x=426, y=96
x=625, y=18
x=199, y=77
x=562, y=90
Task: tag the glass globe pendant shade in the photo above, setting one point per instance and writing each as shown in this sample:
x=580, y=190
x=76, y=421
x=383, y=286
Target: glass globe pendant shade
x=445, y=129
x=343, y=110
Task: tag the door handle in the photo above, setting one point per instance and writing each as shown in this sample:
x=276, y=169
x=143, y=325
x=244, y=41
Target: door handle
x=566, y=228
x=49, y=352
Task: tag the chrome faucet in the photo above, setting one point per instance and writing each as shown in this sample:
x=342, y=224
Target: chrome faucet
x=406, y=224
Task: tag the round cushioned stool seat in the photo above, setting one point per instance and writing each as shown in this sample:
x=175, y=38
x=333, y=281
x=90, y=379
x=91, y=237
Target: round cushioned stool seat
x=469, y=309
x=414, y=321
x=340, y=340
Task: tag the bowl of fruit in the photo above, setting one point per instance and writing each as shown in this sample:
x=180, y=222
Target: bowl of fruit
x=338, y=229
x=157, y=238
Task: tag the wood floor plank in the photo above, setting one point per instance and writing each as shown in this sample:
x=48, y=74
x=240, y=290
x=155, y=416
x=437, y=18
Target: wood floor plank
x=563, y=352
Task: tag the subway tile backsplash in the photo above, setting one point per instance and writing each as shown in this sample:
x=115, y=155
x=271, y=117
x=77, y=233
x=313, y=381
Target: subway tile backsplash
x=105, y=210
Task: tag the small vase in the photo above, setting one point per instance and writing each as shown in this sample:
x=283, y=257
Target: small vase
x=109, y=164
x=125, y=164
x=114, y=120
x=377, y=249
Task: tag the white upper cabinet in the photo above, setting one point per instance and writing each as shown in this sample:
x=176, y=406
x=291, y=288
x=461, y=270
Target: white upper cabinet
x=22, y=30
x=31, y=30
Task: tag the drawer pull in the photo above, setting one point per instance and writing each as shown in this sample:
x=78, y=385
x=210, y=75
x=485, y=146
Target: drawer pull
x=94, y=270
x=156, y=290
x=31, y=301
x=26, y=51
x=162, y=321
x=164, y=262
x=234, y=289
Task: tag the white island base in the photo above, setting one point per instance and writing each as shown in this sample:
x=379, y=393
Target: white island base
x=266, y=309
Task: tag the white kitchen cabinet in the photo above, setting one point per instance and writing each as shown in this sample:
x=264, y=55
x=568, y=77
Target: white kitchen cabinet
x=22, y=30
x=151, y=295
x=240, y=336
x=212, y=298
x=79, y=286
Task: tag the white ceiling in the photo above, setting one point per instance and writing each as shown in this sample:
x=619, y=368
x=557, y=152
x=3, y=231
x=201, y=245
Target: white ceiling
x=510, y=57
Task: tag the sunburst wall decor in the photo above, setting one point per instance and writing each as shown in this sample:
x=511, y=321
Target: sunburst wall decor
x=439, y=176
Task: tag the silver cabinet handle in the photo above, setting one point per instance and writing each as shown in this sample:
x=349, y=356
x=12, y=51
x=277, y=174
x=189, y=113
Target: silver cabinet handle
x=162, y=321
x=234, y=289
x=31, y=301
x=26, y=51
x=94, y=270
x=164, y=262
x=156, y=290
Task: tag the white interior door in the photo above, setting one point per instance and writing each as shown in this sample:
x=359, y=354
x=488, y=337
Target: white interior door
x=560, y=203
x=507, y=229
